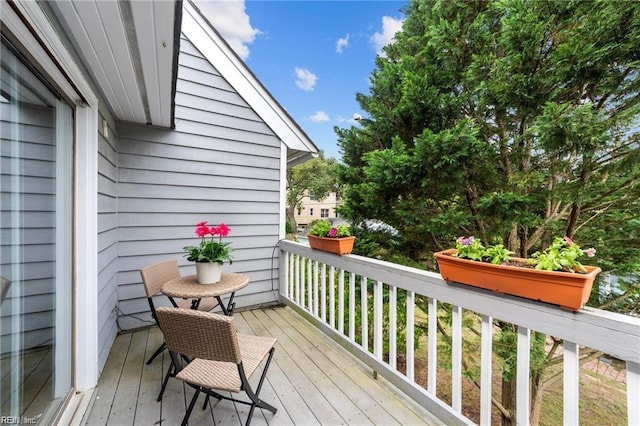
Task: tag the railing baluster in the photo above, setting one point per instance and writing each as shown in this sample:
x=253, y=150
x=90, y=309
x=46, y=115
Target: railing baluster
x=364, y=314
x=410, y=333
x=332, y=296
x=313, y=306
x=323, y=296
x=292, y=277
x=352, y=306
x=522, y=376
x=432, y=349
x=377, y=319
x=393, y=326
x=571, y=382
x=486, y=361
x=297, y=298
x=341, y=302
x=633, y=393
x=456, y=358
x=313, y=276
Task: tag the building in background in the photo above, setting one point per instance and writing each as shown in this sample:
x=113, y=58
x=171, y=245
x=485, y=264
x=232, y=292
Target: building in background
x=312, y=209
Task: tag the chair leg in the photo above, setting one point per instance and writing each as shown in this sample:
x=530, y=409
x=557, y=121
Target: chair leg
x=206, y=402
x=255, y=396
x=158, y=351
x=170, y=373
x=185, y=420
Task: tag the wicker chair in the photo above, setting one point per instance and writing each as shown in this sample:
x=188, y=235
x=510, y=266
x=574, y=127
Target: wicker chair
x=153, y=277
x=221, y=358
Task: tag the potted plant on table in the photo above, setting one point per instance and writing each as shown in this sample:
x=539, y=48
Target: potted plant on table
x=554, y=275
x=334, y=239
x=211, y=253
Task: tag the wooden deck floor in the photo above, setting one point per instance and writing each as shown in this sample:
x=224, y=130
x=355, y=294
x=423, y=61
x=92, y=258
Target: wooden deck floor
x=311, y=381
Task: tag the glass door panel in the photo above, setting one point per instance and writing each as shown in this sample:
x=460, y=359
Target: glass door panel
x=36, y=163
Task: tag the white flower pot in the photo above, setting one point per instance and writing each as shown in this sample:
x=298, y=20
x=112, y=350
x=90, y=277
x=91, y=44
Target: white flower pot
x=208, y=272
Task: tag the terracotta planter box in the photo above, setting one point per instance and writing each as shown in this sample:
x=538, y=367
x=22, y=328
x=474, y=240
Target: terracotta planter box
x=332, y=245
x=570, y=291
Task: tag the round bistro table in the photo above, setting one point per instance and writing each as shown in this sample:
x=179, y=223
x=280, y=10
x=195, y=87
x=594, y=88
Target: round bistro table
x=188, y=287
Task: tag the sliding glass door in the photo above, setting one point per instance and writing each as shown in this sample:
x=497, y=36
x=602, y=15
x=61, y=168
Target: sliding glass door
x=36, y=164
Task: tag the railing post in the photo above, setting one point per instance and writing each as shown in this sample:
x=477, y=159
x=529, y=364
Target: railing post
x=411, y=299
x=309, y=275
x=377, y=319
x=332, y=296
x=633, y=393
x=297, y=297
x=571, y=382
x=283, y=276
x=432, y=349
x=323, y=292
x=352, y=306
x=341, y=302
x=522, y=376
x=456, y=358
x=393, y=326
x=486, y=361
x=364, y=313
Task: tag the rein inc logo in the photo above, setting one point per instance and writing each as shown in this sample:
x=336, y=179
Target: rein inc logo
x=17, y=420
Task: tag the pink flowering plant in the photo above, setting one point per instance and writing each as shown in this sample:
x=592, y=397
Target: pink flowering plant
x=211, y=247
x=561, y=255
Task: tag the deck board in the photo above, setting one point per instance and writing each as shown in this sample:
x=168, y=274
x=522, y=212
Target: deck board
x=311, y=380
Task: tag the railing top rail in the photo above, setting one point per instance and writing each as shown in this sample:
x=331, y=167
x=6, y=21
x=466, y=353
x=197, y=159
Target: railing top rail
x=611, y=333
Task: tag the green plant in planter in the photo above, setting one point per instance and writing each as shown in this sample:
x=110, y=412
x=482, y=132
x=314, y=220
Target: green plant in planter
x=561, y=255
x=324, y=228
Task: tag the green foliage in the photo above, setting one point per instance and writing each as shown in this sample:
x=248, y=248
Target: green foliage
x=471, y=248
x=497, y=254
x=324, y=228
x=320, y=228
x=510, y=120
x=343, y=230
x=210, y=251
x=561, y=255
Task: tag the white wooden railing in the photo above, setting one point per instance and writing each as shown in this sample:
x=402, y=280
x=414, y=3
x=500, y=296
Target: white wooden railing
x=311, y=280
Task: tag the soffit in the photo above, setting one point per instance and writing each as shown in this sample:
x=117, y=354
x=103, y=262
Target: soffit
x=129, y=48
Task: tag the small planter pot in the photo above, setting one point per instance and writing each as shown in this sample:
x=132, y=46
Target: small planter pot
x=208, y=272
x=332, y=245
x=568, y=290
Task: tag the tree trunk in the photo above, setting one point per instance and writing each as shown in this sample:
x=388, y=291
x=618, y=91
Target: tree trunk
x=291, y=219
x=536, y=399
x=508, y=400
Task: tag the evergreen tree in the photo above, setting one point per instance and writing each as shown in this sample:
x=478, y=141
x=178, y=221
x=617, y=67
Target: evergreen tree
x=511, y=120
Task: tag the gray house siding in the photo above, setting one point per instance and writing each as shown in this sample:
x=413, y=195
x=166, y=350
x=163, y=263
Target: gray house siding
x=27, y=228
x=107, y=238
x=220, y=164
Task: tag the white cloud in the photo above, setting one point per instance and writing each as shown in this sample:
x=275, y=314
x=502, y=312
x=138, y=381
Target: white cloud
x=342, y=43
x=390, y=26
x=305, y=79
x=319, y=117
x=353, y=120
x=230, y=18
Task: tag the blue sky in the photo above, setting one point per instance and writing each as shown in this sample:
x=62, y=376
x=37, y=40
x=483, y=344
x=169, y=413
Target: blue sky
x=313, y=56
